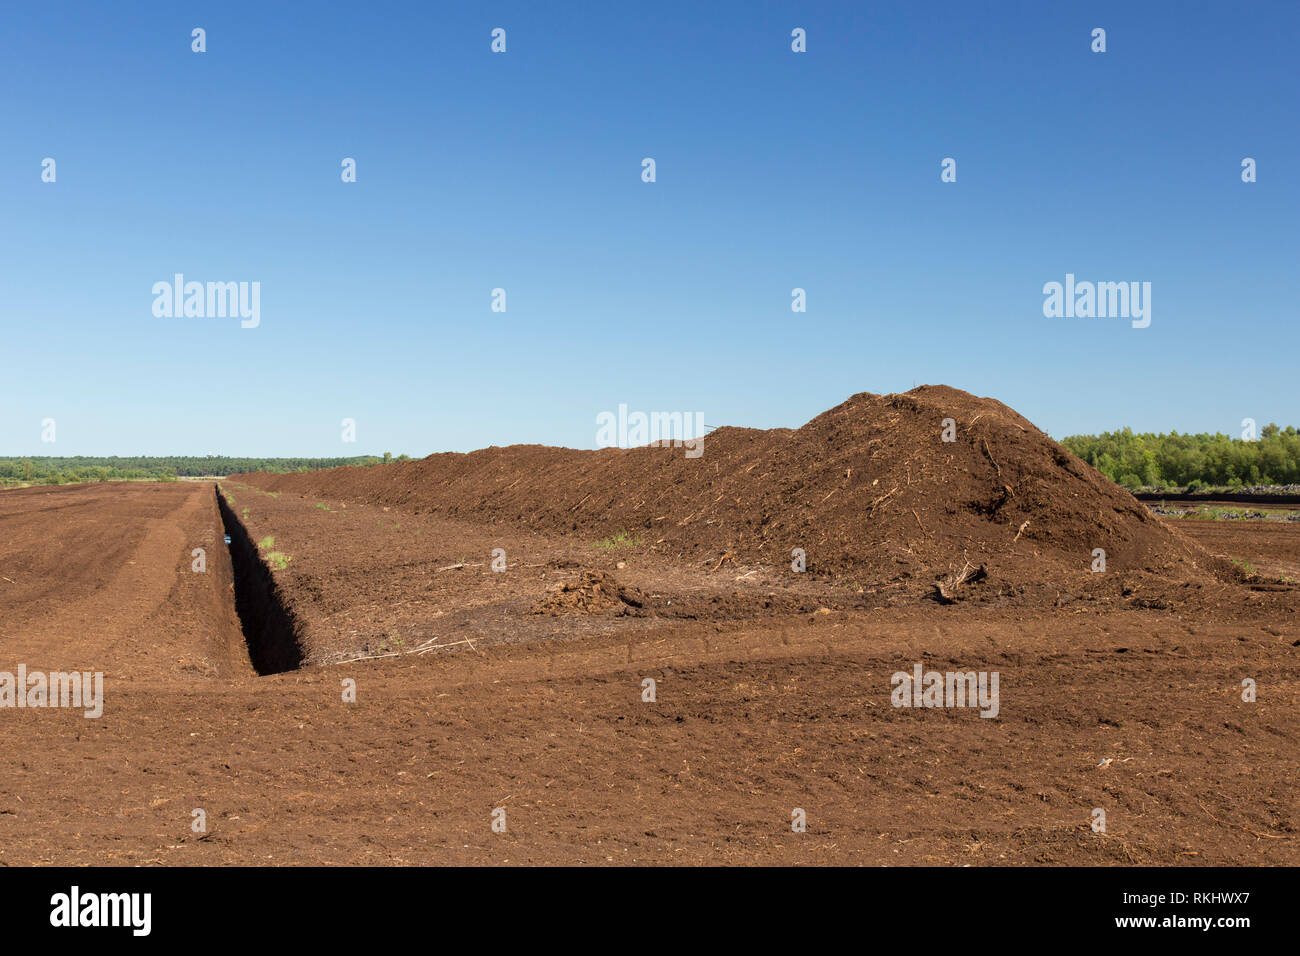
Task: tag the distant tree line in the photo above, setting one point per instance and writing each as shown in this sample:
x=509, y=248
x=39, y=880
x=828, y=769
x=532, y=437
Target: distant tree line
x=1146, y=460
x=57, y=471
x=1192, y=461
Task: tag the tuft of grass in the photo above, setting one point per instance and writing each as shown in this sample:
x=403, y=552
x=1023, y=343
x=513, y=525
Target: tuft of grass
x=387, y=644
x=267, y=542
x=621, y=539
x=323, y=506
x=278, y=560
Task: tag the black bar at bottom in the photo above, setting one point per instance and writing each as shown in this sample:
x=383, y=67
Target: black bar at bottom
x=643, y=907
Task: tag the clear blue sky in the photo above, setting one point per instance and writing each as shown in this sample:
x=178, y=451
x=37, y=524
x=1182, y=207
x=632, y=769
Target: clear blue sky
x=523, y=171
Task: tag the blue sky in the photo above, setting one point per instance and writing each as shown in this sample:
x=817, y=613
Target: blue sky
x=522, y=170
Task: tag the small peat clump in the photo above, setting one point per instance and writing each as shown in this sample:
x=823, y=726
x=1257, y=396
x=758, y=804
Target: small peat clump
x=947, y=590
x=899, y=490
x=593, y=593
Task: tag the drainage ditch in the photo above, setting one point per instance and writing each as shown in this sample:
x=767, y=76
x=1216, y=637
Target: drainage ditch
x=268, y=626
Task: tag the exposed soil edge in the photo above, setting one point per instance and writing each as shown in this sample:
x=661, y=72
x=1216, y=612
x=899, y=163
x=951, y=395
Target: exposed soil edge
x=269, y=626
x=229, y=647
x=1235, y=497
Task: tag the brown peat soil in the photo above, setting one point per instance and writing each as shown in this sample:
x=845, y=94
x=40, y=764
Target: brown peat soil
x=478, y=689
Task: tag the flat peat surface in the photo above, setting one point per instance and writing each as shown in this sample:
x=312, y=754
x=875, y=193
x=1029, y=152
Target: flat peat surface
x=523, y=690
x=1269, y=547
x=100, y=577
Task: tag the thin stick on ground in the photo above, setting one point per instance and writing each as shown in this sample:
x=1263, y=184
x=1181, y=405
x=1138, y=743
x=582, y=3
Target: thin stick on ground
x=946, y=589
x=990, y=454
x=421, y=649
x=882, y=498
x=1224, y=823
x=462, y=564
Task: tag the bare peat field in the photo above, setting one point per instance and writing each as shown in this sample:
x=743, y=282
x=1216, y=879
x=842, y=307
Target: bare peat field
x=773, y=693
x=387, y=661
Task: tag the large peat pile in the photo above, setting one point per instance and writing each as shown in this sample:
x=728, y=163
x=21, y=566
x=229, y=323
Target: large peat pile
x=870, y=491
